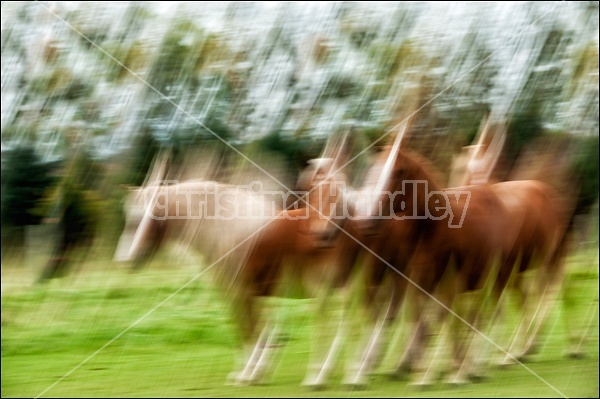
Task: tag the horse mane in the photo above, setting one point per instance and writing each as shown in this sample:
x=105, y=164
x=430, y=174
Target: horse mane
x=424, y=169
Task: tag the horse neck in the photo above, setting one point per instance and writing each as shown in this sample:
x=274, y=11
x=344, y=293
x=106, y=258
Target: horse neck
x=422, y=169
x=298, y=218
x=419, y=177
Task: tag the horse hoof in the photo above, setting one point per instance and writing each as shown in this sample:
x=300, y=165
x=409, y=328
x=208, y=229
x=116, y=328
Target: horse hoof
x=232, y=378
x=523, y=357
x=421, y=385
x=575, y=355
x=398, y=375
x=360, y=386
x=401, y=373
x=355, y=384
x=529, y=351
x=241, y=383
x=236, y=383
x=477, y=378
x=238, y=380
x=314, y=386
x=456, y=381
x=506, y=362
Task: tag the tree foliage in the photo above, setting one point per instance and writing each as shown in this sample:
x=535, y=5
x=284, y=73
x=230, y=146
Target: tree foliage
x=25, y=181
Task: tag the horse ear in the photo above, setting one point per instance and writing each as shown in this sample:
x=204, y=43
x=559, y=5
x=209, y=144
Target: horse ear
x=484, y=128
x=128, y=187
x=344, y=150
x=487, y=151
x=160, y=168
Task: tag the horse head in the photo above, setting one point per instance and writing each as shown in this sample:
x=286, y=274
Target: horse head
x=325, y=187
x=142, y=232
x=480, y=159
x=376, y=200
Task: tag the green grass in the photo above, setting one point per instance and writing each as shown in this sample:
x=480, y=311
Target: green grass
x=187, y=346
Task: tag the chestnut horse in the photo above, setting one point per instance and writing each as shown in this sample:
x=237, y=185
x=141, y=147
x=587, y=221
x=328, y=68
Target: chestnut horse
x=421, y=230
x=541, y=219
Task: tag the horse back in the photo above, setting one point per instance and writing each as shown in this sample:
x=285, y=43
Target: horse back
x=542, y=213
x=485, y=222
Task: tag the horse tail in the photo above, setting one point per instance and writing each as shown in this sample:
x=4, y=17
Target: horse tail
x=564, y=240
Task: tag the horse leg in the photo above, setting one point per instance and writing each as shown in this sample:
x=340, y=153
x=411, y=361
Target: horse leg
x=470, y=343
x=244, y=313
x=523, y=289
x=260, y=356
x=372, y=282
x=268, y=346
x=545, y=285
x=416, y=339
x=372, y=354
x=576, y=340
x=320, y=367
x=551, y=282
x=449, y=331
x=407, y=360
x=375, y=356
x=472, y=366
x=428, y=274
x=346, y=259
x=494, y=325
x=269, y=340
x=421, y=280
x=506, y=278
x=421, y=357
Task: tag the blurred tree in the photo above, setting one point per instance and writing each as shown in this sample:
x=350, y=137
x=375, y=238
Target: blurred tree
x=80, y=212
x=144, y=149
x=77, y=207
x=525, y=126
x=585, y=171
x=289, y=148
x=25, y=180
x=340, y=87
x=179, y=54
x=132, y=57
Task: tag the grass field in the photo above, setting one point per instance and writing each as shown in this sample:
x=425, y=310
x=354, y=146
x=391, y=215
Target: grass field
x=70, y=338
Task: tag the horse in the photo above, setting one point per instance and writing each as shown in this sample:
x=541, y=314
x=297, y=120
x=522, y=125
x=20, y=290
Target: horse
x=261, y=246
x=427, y=227
x=541, y=219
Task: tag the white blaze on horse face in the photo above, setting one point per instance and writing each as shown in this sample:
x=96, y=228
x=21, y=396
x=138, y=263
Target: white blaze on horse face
x=491, y=157
x=138, y=218
x=386, y=172
x=325, y=197
x=339, y=157
x=132, y=220
x=485, y=156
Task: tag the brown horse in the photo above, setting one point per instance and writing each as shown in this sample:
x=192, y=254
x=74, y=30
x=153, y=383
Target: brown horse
x=541, y=219
x=429, y=227
x=419, y=221
x=259, y=245
x=299, y=244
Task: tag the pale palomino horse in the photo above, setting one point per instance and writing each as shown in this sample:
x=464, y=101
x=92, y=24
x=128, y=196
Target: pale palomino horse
x=256, y=244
